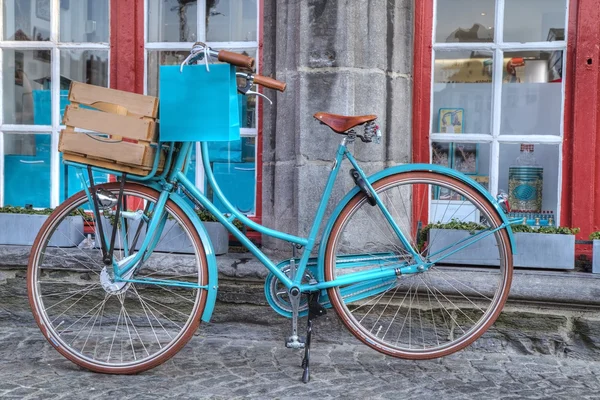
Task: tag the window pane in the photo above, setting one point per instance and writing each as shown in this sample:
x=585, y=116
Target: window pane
x=465, y=21
x=231, y=21
x=532, y=93
x=534, y=20
x=172, y=20
x=26, y=86
x=462, y=92
x=26, y=19
x=84, y=21
x=470, y=158
x=158, y=58
x=235, y=171
x=70, y=183
x=87, y=66
x=27, y=159
x=529, y=174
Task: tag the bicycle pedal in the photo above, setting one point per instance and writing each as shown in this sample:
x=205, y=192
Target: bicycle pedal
x=295, y=342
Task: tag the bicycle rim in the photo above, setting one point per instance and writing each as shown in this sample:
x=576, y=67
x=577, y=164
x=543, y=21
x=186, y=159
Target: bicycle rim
x=124, y=329
x=442, y=309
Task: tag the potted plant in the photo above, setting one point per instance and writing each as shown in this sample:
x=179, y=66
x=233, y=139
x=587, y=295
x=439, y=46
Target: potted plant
x=27, y=222
x=170, y=240
x=548, y=247
x=595, y=237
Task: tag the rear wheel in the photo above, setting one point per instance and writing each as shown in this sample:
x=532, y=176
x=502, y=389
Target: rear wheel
x=445, y=307
x=107, y=326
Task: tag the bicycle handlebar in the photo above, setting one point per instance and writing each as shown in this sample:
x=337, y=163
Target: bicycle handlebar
x=236, y=59
x=270, y=83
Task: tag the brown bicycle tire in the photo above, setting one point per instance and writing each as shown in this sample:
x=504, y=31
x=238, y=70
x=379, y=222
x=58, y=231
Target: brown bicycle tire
x=338, y=303
x=183, y=339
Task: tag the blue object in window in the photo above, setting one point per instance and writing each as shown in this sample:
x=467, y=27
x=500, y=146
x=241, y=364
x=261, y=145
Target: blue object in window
x=225, y=151
x=70, y=182
x=27, y=178
x=237, y=181
x=42, y=109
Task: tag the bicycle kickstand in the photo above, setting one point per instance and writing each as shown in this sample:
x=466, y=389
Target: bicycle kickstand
x=315, y=309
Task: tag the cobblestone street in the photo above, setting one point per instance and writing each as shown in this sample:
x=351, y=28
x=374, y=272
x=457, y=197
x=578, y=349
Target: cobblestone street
x=242, y=360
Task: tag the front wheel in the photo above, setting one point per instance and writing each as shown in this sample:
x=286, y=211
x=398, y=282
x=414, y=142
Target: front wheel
x=107, y=326
x=451, y=302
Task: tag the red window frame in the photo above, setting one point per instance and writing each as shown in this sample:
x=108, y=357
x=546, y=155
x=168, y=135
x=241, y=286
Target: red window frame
x=581, y=171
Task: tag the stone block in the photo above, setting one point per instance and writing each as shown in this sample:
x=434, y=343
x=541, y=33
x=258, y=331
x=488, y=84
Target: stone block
x=313, y=177
x=279, y=199
x=400, y=36
x=370, y=97
x=284, y=139
x=327, y=92
x=367, y=33
x=398, y=132
x=323, y=38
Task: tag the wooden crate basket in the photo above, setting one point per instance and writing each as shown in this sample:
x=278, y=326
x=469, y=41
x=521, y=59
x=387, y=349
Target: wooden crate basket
x=124, y=124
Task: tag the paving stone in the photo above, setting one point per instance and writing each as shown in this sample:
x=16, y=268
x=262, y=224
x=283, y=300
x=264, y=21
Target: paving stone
x=235, y=361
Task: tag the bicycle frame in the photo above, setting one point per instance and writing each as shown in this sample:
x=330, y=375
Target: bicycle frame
x=176, y=176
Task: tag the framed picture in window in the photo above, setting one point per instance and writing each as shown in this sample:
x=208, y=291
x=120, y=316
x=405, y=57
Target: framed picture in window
x=42, y=9
x=465, y=158
x=451, y=120
x=441, y=154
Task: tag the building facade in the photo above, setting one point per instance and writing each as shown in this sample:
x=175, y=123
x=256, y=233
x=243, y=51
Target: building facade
x=467, y=84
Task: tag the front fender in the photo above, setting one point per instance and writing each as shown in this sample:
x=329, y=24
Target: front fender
x=402, y=169
x=210, y=255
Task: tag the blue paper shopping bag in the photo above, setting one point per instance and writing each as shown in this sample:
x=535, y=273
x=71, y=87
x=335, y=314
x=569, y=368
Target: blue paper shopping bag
x=197, y=105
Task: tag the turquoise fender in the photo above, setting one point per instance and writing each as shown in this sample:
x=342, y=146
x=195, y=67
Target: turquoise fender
x=401, y=169
x=210, y=256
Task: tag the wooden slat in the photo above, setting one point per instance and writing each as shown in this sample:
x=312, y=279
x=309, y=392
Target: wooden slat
x=112, y=124
x=105, y=164
x=136, y=104
x=120, y=151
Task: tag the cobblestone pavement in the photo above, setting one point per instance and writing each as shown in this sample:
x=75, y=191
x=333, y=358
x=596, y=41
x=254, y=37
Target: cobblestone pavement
x=241, y=360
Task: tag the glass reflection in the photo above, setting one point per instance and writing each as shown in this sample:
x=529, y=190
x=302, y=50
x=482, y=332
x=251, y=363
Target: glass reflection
x=467, y=21
x=172, y=20
x=26, y=20
x=26, y=86
x=462, y=92
x=532, y=93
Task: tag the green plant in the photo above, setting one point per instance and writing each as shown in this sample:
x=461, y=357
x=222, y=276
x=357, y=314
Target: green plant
x=25, y=210
x=472, y=227
x=204, y=215
x=595, y=235
x=454, y=224
x=41, y=211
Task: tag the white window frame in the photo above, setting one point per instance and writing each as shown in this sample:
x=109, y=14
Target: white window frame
x=186, y=46
x=55, y=47
x=498, y=48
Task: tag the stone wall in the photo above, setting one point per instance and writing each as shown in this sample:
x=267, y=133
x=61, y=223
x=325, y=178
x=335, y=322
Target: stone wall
x=349, y=57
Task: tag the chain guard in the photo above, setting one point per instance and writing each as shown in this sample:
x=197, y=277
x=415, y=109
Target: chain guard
x=277, y=294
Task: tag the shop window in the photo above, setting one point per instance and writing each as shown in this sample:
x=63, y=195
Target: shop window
x=498, y=98
x=39, y=61
x=173, y=27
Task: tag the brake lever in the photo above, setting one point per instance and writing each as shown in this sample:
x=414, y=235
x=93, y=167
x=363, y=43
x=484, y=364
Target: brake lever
x=251, y=92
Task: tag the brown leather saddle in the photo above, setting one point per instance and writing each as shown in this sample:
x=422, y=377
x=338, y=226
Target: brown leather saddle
x=342, y=123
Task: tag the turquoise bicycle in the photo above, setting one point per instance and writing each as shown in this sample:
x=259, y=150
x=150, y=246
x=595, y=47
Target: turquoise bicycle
x=116, y=306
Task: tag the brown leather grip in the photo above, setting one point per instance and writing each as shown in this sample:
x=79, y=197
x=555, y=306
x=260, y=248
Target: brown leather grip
x=236, y=59
x=270, y=82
